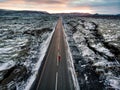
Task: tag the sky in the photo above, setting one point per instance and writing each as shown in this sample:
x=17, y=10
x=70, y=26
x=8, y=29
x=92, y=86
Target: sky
x=64, y=6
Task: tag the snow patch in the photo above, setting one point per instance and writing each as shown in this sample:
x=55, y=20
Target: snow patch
x=100, y=48
x=114, y=82
x=4, y=50
x=89, y=26
x=100, y=63
x=7, y=65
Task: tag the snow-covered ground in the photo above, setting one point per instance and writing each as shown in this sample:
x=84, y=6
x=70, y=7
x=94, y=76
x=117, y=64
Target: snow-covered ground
x=95, y=47
x=22, y=41
x=94, y=44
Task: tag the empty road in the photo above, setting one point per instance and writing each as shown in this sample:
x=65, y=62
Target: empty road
x=54, y=74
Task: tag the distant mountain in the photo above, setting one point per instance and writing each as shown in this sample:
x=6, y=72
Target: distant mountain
x=27, y=13
x=81, y=14
x=90, y=15
x=74, y=14
x=21, y=13
x=118, y=14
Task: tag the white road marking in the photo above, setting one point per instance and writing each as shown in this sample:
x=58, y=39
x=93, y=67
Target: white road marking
x=57, y=61
x=56, y=81
x=58, y=46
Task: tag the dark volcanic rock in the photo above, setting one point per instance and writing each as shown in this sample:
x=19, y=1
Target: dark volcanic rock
x=37, y=32
x=12, y=75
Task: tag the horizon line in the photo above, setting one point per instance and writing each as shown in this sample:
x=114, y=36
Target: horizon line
x=58, y=12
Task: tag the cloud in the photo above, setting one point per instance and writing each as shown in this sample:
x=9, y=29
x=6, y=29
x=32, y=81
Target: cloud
x=2, y=1
x=77, y=3
x=106, y=9
x=98, y=6
x=90, y=6
x=48, y=1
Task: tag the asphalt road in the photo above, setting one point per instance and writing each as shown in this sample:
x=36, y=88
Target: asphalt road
x=54, y=74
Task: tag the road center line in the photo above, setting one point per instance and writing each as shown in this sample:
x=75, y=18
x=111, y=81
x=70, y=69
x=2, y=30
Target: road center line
x=57, y=61
x=58, y=58
x=58, y=45
x=56, y=81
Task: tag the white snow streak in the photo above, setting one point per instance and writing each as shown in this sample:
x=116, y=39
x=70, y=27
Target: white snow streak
x=7, y=65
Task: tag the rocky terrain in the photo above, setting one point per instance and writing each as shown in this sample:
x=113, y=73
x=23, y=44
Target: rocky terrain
x=22, y=35
x=95, y=47
x=94, y=42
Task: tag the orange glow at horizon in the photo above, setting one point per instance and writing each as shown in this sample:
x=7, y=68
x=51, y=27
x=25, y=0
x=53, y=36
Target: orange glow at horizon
x=64, y=6
x=51, y=8
x=72, y=10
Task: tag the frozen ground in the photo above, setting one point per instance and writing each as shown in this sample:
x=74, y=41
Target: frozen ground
x=95, y=47
x=94, y=44
x=21, y=41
